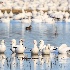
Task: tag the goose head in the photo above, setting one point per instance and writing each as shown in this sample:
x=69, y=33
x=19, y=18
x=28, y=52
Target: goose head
x=35, y=42
x=21, y=42
x=2, y=42
x=48, y=46
x=41, y=42
x=13, y=42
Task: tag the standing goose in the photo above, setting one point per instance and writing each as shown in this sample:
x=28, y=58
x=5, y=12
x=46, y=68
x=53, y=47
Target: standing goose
x=20, y=48
x=41, y=45
x=35, y=50
x=1, y=14
x=49, y=49
x=2, y=46
x=46, y=50
x=13, y=45
x=11, y=14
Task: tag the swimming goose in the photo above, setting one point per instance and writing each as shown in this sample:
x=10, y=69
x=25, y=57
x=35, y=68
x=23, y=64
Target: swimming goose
x=2, y=46
x=35, y=50
x=20, y=48
x=41, y=45
x=26, y=20
x=53, y=49
x=63, y=49
x=46, y=50
x=49, y=49
x=6, y=20
x=6, y=14
x=13, y=45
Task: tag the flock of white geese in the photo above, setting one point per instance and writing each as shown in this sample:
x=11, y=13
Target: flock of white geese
x=36, y=50
x=54, y=10
x=50, y=16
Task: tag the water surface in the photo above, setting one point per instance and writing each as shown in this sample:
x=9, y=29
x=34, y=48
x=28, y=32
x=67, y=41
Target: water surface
x=39, y=31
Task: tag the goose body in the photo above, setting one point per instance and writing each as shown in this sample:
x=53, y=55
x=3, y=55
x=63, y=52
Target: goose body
x=63, y=49
x=28, y=20
x=49, y=49
x=20, y=48
x=46, y=50
x=1, y=14
x=5, y=20
x=17, y=48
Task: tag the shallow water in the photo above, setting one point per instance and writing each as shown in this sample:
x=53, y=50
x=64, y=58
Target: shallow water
x=16, y=30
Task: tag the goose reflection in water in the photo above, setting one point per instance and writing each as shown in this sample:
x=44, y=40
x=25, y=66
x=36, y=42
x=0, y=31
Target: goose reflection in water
x=62, y=58
x=2, y=61
x=35, y=61
x=41, y=61
x=21, y=60
x=46, y=59
x=63, y=61
x=13, y=61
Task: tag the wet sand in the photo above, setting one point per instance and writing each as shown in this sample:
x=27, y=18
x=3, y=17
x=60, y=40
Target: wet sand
x=16, y=11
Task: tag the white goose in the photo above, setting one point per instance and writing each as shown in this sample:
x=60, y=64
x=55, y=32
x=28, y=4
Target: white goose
x=63, y=49
x=13, y=45
x=49, y=49
x=53, y=49
x=28, y=20
x=46, y=50
x=20, y=48
x=35, y=50
x=5, y=20
x=37, y=19
x=11, y=14
x=6, y=14
x=2, y=47
x=1, y=14
x=41, y=45
x=67, y=20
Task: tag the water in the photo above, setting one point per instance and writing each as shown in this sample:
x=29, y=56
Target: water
x=46, y=32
